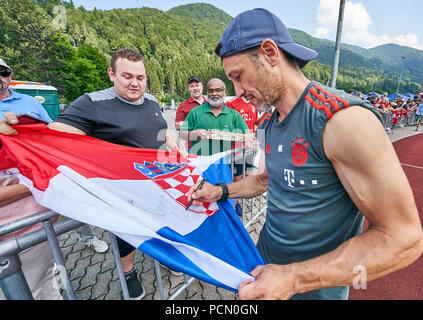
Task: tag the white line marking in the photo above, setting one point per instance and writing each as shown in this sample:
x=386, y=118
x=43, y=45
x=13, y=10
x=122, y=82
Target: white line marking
x=409, y=165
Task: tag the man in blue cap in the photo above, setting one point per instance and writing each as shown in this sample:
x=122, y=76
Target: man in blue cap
x=326, y=156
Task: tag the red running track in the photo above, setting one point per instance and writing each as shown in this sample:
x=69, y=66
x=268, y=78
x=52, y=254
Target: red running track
x=407, y=283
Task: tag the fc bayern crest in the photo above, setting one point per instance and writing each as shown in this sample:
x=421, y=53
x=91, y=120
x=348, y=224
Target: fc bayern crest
x=299, y=151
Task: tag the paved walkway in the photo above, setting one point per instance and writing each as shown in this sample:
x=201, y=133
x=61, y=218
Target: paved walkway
x=401, y=133
x=94, y=275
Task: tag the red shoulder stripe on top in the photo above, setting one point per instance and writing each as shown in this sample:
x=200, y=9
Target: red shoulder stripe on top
x=335, y=106
x=343, y=101
x=326, y=109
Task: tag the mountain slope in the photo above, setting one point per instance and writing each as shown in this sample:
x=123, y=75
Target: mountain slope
x=203, y=12
x=180, y=43
x=385, y=58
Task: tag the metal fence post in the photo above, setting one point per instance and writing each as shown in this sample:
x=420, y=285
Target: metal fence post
x=159, y=278
x=57, y=254
x=119, y=267
x=12, y=279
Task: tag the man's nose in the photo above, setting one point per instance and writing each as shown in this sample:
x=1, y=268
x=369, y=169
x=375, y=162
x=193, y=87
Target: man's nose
x=239, y=92
x=133, y=82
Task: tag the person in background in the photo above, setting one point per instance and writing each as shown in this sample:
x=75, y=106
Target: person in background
x=248, y=112
x=412, y=107
x=16, y=201
x=396, y=113
x=195, y=87
x=419, y=113
x=214, y=115
x=18, y=103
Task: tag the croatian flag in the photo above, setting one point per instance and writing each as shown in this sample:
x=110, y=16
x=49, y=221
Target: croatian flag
x=140, y=196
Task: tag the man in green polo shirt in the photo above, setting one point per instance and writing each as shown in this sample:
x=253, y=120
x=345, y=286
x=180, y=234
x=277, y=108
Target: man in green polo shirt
x=212, y=115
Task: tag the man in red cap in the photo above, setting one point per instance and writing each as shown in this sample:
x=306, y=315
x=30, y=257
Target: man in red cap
x=195, y=87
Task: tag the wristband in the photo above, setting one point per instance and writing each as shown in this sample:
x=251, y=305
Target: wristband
x=225, y=191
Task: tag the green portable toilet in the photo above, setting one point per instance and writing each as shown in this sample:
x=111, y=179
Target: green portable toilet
x=46, y=94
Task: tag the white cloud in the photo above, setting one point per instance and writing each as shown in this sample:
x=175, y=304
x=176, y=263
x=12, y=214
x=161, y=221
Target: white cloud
x=322, y=32
x=327, y=14
x=357, y=22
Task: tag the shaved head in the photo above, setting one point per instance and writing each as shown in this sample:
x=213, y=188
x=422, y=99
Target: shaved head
x=216, y=81
x=216, y=93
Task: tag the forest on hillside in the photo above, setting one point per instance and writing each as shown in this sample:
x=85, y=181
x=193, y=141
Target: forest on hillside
x=53, y=41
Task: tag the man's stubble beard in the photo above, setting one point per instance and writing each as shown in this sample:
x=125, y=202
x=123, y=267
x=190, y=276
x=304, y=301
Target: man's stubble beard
x=271, y=89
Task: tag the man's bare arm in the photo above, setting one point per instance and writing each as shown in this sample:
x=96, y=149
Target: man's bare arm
x=366, y=163
x=368, y=167
x=12, y=193
x=62, y=127
x=194, y=134
x=11, y=119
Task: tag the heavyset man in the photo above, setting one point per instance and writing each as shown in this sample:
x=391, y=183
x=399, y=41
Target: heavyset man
x=325, y=165
x=124, y=115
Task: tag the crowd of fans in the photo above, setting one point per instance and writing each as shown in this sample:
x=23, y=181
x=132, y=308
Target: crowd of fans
x=401, y=109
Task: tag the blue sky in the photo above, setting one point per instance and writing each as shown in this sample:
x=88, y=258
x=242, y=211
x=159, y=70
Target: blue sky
x=368, y=23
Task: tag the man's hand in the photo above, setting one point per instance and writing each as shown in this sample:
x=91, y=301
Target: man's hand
x=208, y=193
x=184, y=153
x=273, y=282
x=200, y=133
x=250, y=142
x=12, y=193
x=5, y=127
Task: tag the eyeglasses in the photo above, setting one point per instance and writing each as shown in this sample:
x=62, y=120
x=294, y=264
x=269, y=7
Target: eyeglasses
x=217, y=90
x=5, y=74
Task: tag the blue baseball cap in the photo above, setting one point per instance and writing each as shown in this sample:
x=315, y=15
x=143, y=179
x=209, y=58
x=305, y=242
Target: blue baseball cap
x=193, y=78
x=248, y=30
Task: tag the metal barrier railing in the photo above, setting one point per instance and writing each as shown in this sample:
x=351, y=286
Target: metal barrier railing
x=408, y=119
x=12, y=279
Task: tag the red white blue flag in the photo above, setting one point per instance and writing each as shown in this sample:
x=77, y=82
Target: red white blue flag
x=140, y=196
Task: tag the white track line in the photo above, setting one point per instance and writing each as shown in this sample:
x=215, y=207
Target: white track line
x=409, y=165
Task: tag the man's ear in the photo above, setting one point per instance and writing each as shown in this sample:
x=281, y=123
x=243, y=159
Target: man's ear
x=270, y=51
x=111, y=74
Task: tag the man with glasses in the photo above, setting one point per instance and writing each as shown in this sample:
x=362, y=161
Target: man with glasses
x=16, y=102
x=205, y=124
x=17, y=202
x=11, y=101
x=216, y=116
